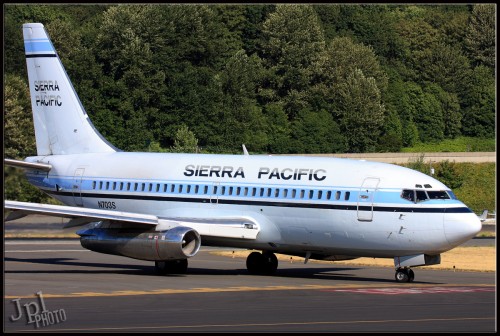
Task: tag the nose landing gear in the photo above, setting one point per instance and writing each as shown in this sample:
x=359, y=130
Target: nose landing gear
x=404, y=275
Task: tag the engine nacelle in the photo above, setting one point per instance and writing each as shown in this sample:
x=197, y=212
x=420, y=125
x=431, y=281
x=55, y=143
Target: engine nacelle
x=177, y=243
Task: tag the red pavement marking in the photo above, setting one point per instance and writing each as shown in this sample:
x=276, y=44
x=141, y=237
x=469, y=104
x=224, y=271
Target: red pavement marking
x=415, y=290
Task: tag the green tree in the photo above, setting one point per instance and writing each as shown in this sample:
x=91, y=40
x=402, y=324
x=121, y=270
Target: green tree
x=278, y=129
x=316, y=132
x=452, y=118
x=480, y=35
x=360, y=111
x=293, y=44
x=479, y=103
x=19, y=136
x=391, y=139
x=185, y=141
x=343, y=56
x=444, y=65
x=447, y=173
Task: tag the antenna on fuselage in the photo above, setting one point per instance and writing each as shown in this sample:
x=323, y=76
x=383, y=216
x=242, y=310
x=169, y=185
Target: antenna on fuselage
x=245, y=152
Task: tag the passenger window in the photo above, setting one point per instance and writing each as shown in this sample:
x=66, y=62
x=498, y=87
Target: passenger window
x=337, y=195
x=285, y=193
x=268, y=192
x=188, y=189
x=223, y=190
x=294, y=193
x=302, y=193
x=408, y=195
x=261, y=192
x=93, y=185
x=180, y=188
x=347, y=194
x=320, y=193
x=157, y=187
x=196, y=189
x=311, y=192
x=121, y=185
x=421, y=195
x=254, y=191
x=329, y=195
x=276, y=192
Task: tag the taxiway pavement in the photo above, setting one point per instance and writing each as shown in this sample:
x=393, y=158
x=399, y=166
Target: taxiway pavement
x=104, y=293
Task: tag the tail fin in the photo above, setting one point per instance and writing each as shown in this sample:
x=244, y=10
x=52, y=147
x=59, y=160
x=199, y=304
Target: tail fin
x=62, y=125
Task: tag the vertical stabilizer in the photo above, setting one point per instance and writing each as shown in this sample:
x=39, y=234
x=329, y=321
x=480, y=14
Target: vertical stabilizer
x=61, y=124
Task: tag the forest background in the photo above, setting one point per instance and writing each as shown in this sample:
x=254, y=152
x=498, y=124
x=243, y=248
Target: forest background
x=277, y=78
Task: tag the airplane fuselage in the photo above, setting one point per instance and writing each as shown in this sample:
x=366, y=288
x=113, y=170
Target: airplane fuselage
x=331, y=208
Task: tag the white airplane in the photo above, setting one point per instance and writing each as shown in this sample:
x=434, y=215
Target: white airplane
x=161, y=207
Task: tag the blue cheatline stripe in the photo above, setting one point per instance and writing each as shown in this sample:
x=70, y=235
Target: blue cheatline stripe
x=38, y=46
x=266, y=203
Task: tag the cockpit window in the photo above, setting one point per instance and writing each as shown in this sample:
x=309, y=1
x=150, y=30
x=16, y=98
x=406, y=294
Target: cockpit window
x=438, y=195
x=421, y=196
x=452, y=195
x=408, y=195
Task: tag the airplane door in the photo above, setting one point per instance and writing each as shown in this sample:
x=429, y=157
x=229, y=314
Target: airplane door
x=77, y=185
x=365, y=199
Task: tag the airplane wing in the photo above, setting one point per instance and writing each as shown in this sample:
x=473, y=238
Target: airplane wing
x=228, y=227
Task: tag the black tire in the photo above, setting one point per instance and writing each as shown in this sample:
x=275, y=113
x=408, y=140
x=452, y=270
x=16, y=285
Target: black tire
x=411, y=275
x=401, y=275
x=255, y=260
x=270, y=262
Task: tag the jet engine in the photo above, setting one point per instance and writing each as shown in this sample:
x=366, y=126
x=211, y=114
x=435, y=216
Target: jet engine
x=177, y=243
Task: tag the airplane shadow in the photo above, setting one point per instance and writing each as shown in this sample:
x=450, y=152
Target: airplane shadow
x=318, y=273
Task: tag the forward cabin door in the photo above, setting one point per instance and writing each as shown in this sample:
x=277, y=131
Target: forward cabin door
x=366, y=198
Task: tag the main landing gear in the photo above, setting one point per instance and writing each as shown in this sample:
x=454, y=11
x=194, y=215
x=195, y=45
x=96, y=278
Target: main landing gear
x=171, y=266
x=404, y=275
x=264, y=263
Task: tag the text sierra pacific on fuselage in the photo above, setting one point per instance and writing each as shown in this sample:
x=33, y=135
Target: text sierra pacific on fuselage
x=296, y=174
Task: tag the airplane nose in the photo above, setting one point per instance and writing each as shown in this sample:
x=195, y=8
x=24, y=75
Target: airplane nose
x=460, y=227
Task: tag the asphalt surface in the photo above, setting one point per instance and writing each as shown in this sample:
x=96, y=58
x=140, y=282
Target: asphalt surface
x=94, y=292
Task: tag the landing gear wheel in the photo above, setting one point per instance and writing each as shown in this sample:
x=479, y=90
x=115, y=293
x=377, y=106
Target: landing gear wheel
x=270, y=262
x=171, y=266
x=254, y=262
x=411, y=275
x=402, y=275
x=262, y=263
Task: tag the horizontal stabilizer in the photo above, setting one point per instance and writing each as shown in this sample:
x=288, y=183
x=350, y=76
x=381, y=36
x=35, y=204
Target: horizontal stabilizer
x=28, y=165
